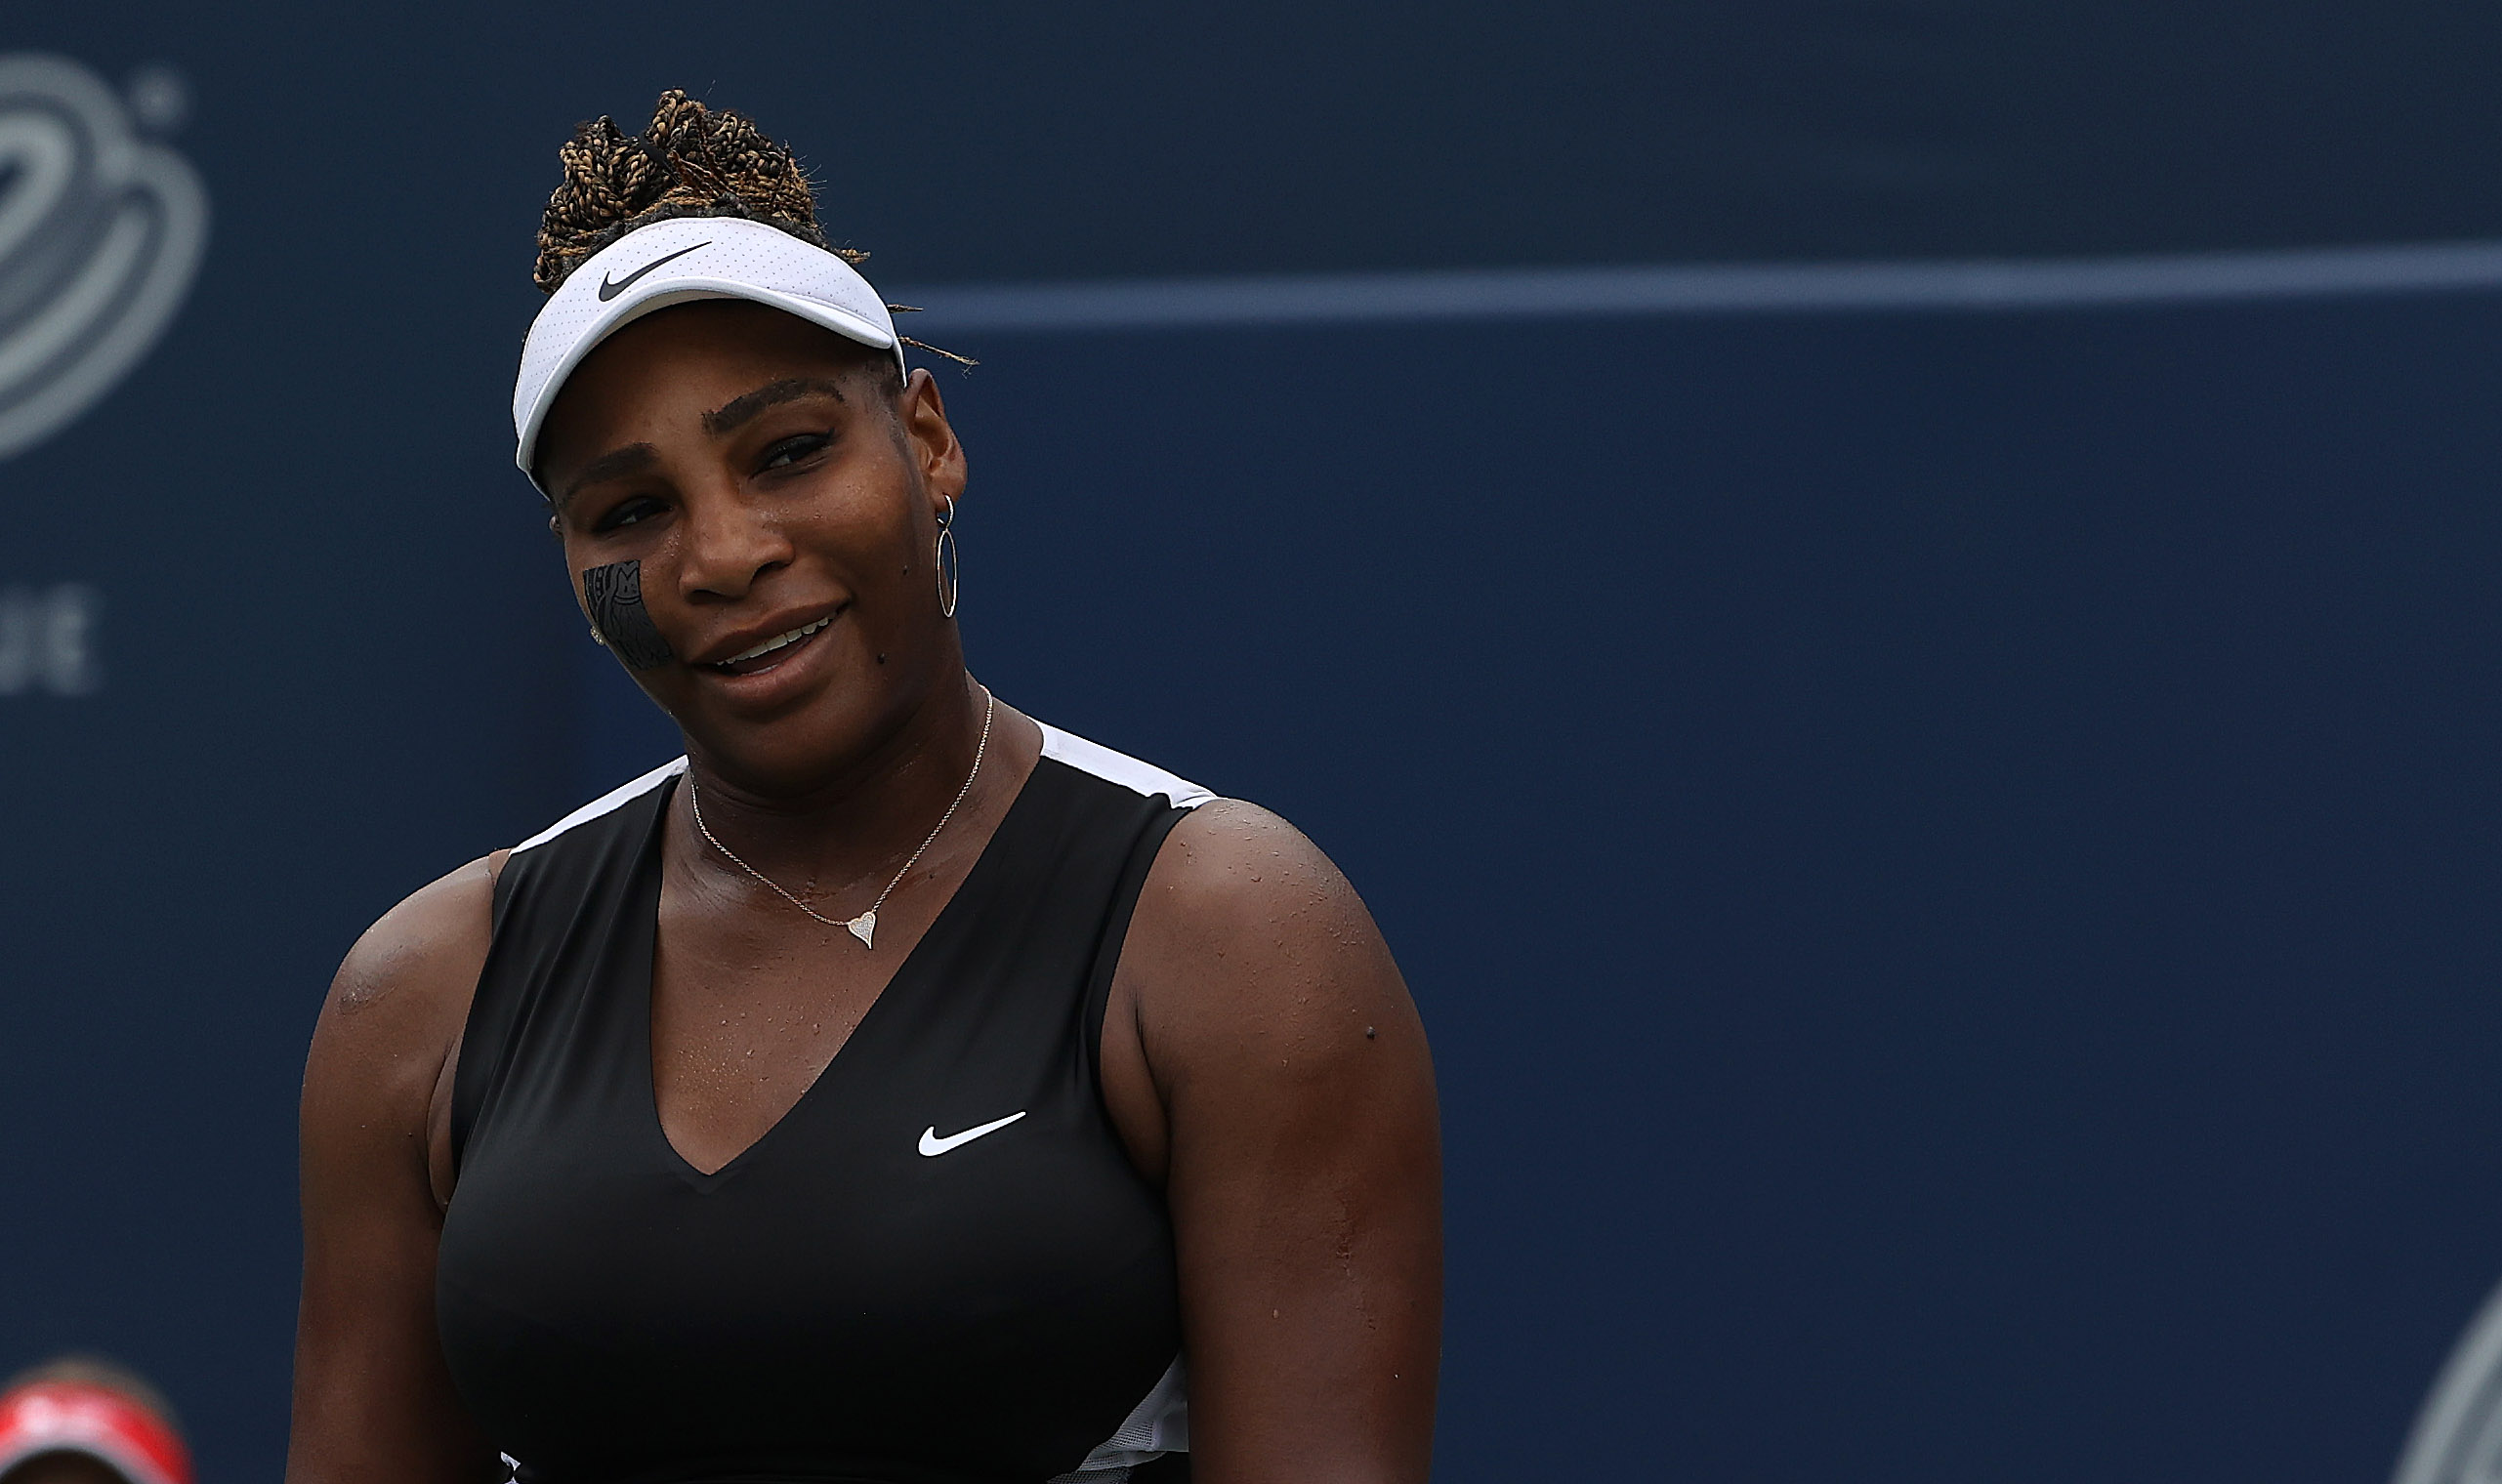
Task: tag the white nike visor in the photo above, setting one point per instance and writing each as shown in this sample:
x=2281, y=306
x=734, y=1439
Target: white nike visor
x=676, y=262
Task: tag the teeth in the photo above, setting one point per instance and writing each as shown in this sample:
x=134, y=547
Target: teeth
x=772, y=645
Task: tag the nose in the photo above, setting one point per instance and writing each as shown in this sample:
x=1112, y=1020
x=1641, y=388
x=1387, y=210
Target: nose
x=729, y=543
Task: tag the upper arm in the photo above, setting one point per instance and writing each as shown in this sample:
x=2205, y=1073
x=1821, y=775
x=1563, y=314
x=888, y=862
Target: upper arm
x=1301, y=1153
x=373, y=1400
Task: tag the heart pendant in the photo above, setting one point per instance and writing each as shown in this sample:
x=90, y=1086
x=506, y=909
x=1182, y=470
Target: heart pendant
x=863, y=925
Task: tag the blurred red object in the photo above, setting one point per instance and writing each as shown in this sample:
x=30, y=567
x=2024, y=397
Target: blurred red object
x=80, y=1412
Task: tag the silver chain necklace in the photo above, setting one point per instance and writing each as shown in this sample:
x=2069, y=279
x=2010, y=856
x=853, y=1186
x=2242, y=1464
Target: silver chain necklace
x=863, y=926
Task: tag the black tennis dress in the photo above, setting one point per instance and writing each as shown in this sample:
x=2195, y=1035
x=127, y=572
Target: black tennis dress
x=939, y=1268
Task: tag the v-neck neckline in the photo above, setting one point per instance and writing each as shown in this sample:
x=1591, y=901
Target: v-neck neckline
x=898, y=980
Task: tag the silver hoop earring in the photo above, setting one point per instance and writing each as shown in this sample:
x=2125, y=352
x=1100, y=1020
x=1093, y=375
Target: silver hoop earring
x=947, y=559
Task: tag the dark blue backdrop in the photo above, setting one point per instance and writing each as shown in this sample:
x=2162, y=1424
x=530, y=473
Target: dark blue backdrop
x=1947, y=859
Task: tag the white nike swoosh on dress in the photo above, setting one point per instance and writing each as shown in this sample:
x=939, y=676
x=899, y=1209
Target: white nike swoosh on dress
x=932, y=1144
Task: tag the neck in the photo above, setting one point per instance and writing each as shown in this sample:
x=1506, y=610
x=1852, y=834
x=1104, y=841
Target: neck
x=862, y=817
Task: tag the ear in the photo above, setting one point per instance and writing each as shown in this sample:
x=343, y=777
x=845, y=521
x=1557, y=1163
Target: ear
x=928, y=441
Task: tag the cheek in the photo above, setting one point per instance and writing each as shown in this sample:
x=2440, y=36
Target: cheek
x=614, y=595
x=863, y=533
x=577, y=563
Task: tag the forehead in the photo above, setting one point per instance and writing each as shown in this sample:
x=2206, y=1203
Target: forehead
x=672, y=366
x=708, y=338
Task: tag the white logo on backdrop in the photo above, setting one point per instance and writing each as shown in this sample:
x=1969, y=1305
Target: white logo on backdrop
x=2458, y=1436
x=47, y=639
x=100, y=234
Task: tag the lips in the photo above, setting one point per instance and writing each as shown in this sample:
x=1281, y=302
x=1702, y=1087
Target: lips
x=772, y=651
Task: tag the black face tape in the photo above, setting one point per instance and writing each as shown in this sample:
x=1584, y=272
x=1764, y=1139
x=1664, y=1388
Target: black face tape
x=614, y=595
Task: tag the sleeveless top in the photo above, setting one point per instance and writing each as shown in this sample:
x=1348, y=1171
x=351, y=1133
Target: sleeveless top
x=940, y=1267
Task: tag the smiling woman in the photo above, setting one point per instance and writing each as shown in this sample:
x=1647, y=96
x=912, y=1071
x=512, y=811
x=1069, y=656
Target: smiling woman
x=895, y=1088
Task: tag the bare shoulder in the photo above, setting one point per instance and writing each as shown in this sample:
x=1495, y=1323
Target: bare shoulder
x=372, y=1399
x=1293, y=1130
x=399, y=999
x=1247, y=935
x=425, y=949
x=1228, y=866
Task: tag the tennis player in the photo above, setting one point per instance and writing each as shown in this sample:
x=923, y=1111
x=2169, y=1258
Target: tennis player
x=896, y=1088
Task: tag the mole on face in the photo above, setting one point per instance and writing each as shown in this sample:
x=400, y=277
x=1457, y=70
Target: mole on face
x=614, y=595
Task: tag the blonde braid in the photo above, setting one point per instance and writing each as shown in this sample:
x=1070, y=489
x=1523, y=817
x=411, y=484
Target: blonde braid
x=689, y=162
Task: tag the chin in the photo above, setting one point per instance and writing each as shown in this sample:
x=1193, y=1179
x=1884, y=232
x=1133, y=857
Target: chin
x=799, y=749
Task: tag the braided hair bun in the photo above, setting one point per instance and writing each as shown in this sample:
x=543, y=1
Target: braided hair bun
x=690, y=162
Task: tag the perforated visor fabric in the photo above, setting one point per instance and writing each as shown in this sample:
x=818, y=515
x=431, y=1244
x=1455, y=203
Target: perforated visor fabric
x=675, y=261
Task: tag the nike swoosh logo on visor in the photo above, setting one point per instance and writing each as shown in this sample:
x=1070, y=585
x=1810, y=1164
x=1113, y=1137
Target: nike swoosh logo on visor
x=934, y=1146
x=610, y=290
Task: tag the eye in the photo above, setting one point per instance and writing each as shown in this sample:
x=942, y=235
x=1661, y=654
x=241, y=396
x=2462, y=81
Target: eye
x=791, y=451
x=626, y=513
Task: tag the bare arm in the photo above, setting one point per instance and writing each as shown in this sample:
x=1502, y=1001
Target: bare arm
x=1292, y=1113
x=373, y=1401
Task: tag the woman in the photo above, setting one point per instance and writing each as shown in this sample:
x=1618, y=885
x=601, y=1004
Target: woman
x=894, y=1088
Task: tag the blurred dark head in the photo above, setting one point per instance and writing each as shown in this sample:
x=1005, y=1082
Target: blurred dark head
x=82, y=1421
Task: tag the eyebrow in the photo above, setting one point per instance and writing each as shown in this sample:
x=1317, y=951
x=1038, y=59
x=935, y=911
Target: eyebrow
x=790, y=388
x=630, y=459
